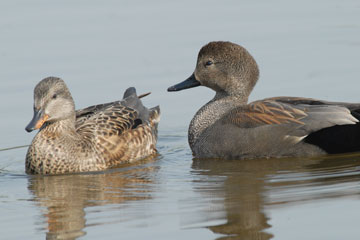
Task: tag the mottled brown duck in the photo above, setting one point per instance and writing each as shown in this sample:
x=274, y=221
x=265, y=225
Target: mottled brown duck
x=92, y=139
x=230, y=127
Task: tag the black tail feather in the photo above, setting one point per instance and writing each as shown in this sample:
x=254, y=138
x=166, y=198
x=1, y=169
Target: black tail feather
x=338, y=139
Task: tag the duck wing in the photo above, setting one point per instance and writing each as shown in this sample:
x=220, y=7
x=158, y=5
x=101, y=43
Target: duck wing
x=310, y=101
x=299, y=116
x=119, y=130
x=106, y=120
x=130, y=100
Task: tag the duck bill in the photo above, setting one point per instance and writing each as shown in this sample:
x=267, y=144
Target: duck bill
x=38, y=120
x=188, y=83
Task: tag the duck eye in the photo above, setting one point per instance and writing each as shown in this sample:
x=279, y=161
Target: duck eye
x=54, y=96
x=208, y=63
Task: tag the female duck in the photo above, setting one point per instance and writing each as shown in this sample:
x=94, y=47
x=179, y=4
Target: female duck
x=91, y=139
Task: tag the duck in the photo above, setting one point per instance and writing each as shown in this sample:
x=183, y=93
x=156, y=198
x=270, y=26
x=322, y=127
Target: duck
x=230, y=127
x=96, y=138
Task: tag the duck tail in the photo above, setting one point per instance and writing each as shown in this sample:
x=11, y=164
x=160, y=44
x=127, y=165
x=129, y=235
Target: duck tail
x=132, y=91
x=129, y=92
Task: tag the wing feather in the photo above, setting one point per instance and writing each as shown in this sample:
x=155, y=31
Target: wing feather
x=105, y=120
x=266, y=113
x=306, y=115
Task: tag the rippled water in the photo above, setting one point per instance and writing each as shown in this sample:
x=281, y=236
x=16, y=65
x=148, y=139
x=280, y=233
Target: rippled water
x=303, y=48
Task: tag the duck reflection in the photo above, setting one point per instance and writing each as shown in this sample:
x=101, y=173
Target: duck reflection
x=65, y=197
x=249, y=187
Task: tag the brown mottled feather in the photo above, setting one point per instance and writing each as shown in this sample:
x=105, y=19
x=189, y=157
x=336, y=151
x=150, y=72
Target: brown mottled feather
x=107, y=136
x=112, y=130
x=107, y=121
x=90, y=139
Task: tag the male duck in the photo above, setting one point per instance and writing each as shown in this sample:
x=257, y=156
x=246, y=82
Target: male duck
x=91, y=139
x=230, y=127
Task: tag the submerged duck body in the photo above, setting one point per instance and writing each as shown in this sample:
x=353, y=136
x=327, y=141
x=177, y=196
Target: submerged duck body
x=230, y=127
x=92, y=139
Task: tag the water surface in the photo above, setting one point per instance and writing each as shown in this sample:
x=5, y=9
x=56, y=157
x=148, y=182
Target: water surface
x=303, y=48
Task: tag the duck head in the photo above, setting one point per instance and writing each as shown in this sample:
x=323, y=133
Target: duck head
x=52, y=102
x=225, y=67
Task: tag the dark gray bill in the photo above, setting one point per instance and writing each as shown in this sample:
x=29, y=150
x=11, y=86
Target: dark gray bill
x=38, y=120
x=188, y=83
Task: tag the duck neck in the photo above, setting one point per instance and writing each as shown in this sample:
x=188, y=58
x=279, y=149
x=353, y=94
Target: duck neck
x=225, y=97
x=61, y=127
x=207, y=115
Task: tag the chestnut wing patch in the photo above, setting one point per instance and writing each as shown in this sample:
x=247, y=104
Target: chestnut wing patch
x=266, y=112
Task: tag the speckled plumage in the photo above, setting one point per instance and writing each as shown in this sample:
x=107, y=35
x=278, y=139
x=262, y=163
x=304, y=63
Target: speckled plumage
x=92, y=139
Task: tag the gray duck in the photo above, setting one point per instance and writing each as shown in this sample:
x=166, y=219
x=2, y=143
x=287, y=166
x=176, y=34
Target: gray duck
x=91, y=139
x=230, y=127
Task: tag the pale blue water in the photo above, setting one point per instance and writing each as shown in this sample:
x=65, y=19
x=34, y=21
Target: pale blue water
x=303, y=48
